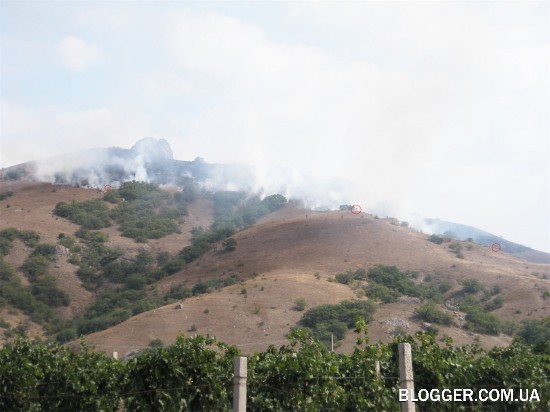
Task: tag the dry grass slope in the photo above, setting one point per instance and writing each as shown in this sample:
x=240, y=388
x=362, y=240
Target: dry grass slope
x=278, y=259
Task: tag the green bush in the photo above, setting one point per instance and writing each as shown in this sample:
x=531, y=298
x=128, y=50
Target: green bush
x=93, y=237
x=429, y=312
x=213, y=284
x=324, y=320
x=482, y=322
x=471, y=286
x=174, y=265
x=178, y=292
x=136, y=282
x=44, y=250
x=90, y=214
x=436, y=239
x=70, y=243
x=101, y=322
x=391, y=277
x=29, y=237
x=5, y=195
x=147, y=192
x=455, y=247
x=156, y=344
x=20, y=297
x=381, y=292
x=495, y=304
x=229, y=245
x=7, y=236
x=432, y=330
x=300, y=304
x=112, y=197
x=536, y=332
x=509, y=327
x=144, y=224
x=35, y=266
x=45, y=290
x=348, y=277
x=135, y=215
x=436, y=291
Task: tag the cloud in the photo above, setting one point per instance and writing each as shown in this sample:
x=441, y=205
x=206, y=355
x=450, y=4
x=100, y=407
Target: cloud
x=76, y=54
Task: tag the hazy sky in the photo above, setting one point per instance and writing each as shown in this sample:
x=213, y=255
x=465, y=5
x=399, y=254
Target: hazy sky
x=433, y=108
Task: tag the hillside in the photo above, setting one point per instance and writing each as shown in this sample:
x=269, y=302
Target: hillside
x=290, y=254
x=463, y=232
x=279, y=258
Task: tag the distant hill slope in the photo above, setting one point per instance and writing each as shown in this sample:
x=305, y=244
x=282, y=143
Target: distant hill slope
x=463, y=232
x=279, y=257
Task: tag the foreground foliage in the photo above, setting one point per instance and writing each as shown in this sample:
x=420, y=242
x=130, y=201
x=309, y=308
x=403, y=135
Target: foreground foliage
x=197, y=374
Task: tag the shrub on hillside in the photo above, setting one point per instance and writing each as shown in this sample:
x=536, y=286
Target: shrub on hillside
x=29, y=237
x=391, y=277
x=229, y=245
x=44, y=250
x=348, y=277
x=5, y=195
x=494, y=304
x=429, y=312
x=381, y=292
x=20, y=296
x=178, y=292
x=90, y=214
x=536, y=332
x=46, y=291
x=35, y=266
x=5, y=243
x=174, y=265
x=471, y=286
x=300, y=304
x=7, y=236
x=213, y=284
x=69, y=242
x=436, y=291
x=482, y=322
x=436, y=239
x=325, y=320
x=92, y=237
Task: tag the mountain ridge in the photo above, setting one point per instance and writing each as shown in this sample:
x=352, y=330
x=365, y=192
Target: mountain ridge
x=152, y=160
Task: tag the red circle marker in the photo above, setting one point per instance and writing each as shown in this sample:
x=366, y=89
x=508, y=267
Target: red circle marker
x=107, y=188
x=496, y=247
x=356, y=209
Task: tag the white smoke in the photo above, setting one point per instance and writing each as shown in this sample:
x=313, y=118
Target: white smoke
x=96, y=168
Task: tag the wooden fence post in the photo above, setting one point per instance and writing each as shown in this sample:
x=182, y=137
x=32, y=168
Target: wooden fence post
x=239, y=384
x=406, y=380
x=377, y=371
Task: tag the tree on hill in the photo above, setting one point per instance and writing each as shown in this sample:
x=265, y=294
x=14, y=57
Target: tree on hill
x=229, y=245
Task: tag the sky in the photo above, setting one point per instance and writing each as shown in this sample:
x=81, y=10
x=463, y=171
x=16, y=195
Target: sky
x=434, y=109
